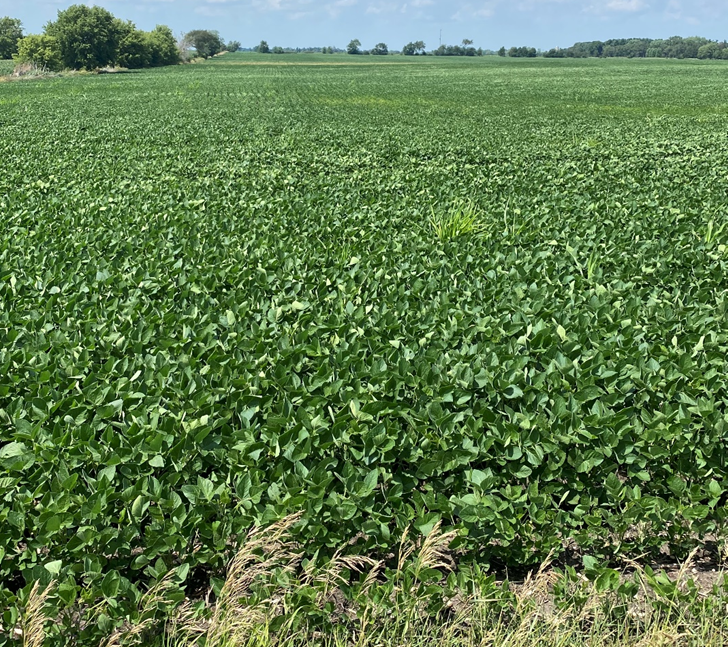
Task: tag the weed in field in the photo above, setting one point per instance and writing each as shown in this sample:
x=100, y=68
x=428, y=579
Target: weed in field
x=712, y=232
x=458, y=220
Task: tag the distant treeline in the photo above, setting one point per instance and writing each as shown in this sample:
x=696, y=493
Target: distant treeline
x=457, y=50
x=674, y=47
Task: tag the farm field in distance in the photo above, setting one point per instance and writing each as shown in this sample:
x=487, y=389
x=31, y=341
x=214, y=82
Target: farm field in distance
x=236, y=291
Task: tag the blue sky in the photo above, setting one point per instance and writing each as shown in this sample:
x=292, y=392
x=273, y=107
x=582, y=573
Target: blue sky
x=490, y=23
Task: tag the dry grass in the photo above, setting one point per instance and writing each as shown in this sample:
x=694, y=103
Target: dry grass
x=34, y=620
x=255, y=607
x=132, y=633
x=233, y=619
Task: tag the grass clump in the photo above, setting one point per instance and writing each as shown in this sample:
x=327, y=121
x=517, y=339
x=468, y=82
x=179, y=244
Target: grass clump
x=460, y=219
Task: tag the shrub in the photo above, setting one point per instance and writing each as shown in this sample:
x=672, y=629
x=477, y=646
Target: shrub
x=40, y=51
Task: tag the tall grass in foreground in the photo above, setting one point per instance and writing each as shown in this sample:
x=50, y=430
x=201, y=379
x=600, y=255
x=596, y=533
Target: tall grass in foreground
x=271, y=597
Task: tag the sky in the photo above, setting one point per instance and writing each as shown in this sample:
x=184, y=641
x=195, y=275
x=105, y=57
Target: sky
x=489, y=23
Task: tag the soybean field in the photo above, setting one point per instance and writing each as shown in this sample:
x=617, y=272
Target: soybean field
x=381, y=292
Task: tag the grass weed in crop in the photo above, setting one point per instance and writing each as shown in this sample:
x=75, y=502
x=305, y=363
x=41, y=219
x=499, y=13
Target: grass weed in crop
x=223, y=301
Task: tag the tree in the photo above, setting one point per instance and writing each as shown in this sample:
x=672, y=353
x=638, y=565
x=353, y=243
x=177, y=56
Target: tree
x=233, y=46
x=354, y=47
x=135, y=50
x=40, y=50
x=502, y=51
x=207, y=43
x=163, y=47
x=412, y=49
x=87, y=36
x=522, y=52
x=380, y=49
x=711, y=50
x=278, y=50
x=467, y=42
x=263, y=48
x=11, y=31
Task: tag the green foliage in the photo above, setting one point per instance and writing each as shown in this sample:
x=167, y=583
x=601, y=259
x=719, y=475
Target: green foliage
x=522, y=52
x=263, y=48
x=40, y=50
x=233, y=46
x=713, y=232
x=674, y=47
x=134, y=51
x=162, y=46
x=206, y=42
x=354, y=47
x=458, y=220
x=412, y=49
x=457, y=50
x=139, y=49
x=88, y=37
x=380, y=49
x=212, y=319
x=11, y=31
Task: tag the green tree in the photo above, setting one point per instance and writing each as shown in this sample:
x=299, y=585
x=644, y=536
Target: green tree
x=207, y=43
x=467, y=42
x=87, y=36
x=40, y=50
x=135, y=50
x=502, y=51
x=412, y=49
x=354, y=47
x=233, y=46
x=11, y=31
x=163, y=46
x=711, y=50
x=522, y=52
x=380, y=49
x=278, y=50
x=263, y=48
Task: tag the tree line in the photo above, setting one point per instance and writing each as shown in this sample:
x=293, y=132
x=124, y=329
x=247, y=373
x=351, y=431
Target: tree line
x=418, y=48
x=84, y=37
x=89, y=38
x=674, y=47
